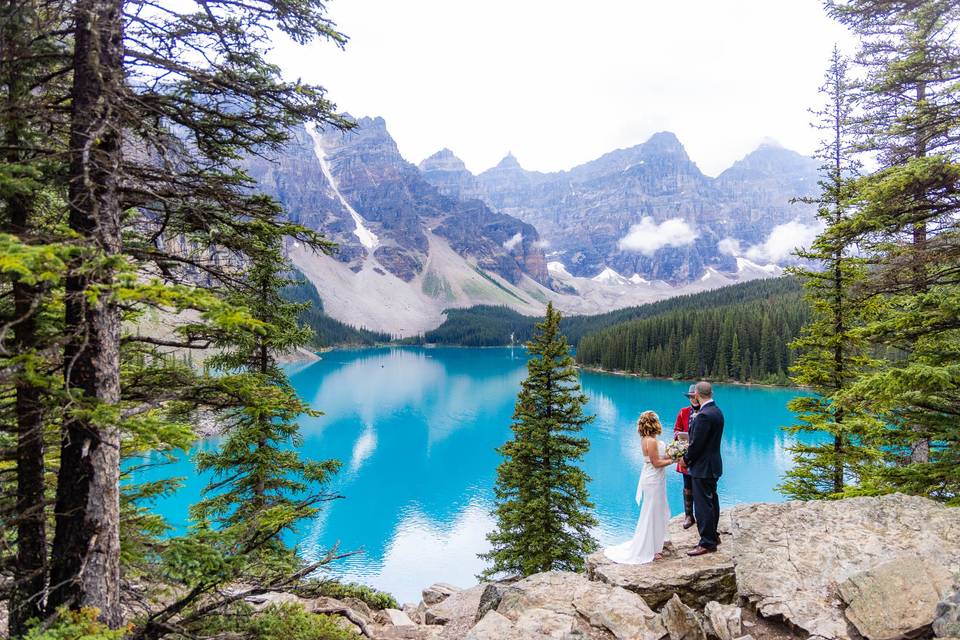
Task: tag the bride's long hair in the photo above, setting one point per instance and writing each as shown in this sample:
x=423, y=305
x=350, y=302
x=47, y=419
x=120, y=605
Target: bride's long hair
x=649, y=424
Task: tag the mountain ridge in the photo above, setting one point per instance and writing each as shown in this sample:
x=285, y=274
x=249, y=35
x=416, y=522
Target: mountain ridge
x=608, y=212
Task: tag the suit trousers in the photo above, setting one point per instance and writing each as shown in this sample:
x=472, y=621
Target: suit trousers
x=706, y=508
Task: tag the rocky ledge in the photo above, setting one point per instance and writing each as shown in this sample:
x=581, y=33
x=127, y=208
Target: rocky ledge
x=876, y=568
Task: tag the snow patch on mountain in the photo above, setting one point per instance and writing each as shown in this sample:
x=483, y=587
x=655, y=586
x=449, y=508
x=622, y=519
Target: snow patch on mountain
x=744, y=265
x=558, y=268
x=609, y=276
x=366, y=237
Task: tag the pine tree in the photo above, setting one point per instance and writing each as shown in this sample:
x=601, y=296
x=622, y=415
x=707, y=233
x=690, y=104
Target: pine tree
x=159, y=216
x=906, y=227
x=259, y=480
x=830, y=353
x=34, y=58
x=543, y=511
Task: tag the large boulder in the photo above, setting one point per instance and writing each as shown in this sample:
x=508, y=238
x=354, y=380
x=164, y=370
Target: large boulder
x=790, y=557
x=681, y=621
x=621, y=612
x=494, y=626
x=696, y=580
x=458, y=605
x=559, y=604
x=725, y=620
x=438, y=592
x=897, y=599
x=395, y=617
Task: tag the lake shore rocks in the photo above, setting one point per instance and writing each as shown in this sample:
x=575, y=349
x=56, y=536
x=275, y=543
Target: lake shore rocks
x=696, y=580
x=882, y=568
x=792, y=557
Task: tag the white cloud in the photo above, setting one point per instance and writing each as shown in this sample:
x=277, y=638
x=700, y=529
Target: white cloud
x=541, y=244
x=783, y=240
x=648, y=237
x=513, y=242
x=729, y=246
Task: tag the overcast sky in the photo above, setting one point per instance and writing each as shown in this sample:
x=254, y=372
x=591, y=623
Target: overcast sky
x=559, y=83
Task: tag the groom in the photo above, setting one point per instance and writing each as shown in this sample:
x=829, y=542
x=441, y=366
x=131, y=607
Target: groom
x=705, y=467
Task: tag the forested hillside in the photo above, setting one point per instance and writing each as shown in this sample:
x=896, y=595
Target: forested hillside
x=327, y=332
x=723, y=339
x=486, y=326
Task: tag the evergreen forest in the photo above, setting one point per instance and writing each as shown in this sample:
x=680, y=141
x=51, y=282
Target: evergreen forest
x=737, y=341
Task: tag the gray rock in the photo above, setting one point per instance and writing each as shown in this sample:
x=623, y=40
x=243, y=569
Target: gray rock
x=896, y=599
x=396, y=617
x=724, y=620
x=490, y=598
x=681, y=621
x=696, y=580
x=360, y=607
x=410, y=632
x=437, y=592
x=413, y=612
x=622, y=612
x=560, y=604
x=947, y=622
x=494, y=626
x=790, y=556
x=553, y=590
x=459, y=608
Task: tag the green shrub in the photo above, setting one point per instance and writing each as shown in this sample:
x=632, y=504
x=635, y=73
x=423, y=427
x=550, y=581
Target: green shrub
x=75, y=625
x=276, y=622
x=373, y=598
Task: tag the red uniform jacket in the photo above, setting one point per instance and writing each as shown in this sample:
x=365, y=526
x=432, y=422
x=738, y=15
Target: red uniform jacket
x=682, y=425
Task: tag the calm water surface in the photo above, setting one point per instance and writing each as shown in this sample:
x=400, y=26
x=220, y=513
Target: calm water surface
x=416, y=431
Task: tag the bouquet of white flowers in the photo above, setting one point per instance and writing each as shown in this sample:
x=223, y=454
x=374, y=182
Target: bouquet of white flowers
x=677, y=448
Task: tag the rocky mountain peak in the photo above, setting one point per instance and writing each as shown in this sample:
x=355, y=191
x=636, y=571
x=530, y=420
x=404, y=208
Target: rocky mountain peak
x=509, y=162
x=772, y=158
x=371, y=135
x=664, y=142
x=443, y=160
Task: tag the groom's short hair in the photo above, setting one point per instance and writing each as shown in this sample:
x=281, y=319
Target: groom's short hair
x=704, y=389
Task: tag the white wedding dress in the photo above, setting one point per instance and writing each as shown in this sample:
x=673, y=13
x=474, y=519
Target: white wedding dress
x=651, y=531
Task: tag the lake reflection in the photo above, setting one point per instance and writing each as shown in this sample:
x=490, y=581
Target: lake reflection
x=416, y=430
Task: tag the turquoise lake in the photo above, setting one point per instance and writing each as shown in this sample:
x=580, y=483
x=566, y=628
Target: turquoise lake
x=416, y=430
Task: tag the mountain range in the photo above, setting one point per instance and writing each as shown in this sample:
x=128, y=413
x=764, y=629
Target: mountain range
x=633, y=226
x=645, y=211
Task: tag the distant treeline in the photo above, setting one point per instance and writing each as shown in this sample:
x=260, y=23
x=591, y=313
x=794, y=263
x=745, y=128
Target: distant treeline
x=327, y=331
x=725, y=338
x=485, y=326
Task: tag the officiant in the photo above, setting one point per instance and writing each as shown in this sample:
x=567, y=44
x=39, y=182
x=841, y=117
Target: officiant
x=682, y=425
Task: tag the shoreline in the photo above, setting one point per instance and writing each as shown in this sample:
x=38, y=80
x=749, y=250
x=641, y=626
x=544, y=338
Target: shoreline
x=630, y=374
x=627, y=374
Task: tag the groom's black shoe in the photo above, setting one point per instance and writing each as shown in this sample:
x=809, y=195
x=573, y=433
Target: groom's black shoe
x=700, y=551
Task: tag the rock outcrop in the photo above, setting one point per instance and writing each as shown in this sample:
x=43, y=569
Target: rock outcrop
x=791, y=557
x=696, y=580
x=864, y=568
x=894, y=599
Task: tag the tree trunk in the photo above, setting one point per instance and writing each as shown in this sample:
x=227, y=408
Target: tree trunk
x=30, y=564
x=85, y=568
x=920, y=449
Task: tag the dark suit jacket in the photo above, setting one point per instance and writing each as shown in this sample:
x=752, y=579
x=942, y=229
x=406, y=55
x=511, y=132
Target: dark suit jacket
x=703, y=455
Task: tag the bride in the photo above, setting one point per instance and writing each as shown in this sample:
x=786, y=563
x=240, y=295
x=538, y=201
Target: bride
x=651, y=532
